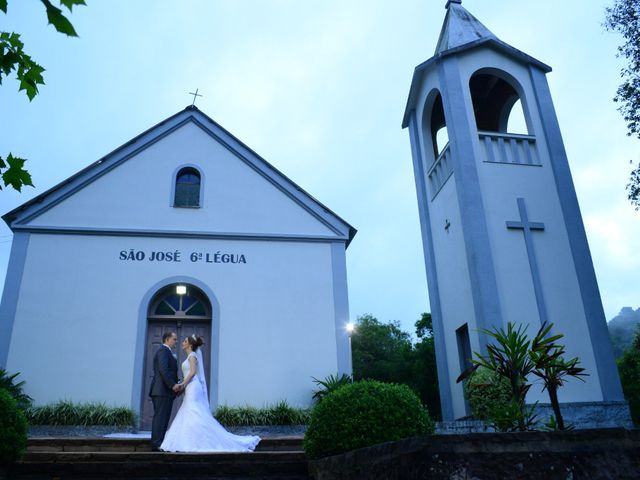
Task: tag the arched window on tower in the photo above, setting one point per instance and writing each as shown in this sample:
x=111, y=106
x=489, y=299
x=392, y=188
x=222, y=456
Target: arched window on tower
x=438, y=163
x=439, y=133
x=187, y=188
x=500, y=113
x=495, y=102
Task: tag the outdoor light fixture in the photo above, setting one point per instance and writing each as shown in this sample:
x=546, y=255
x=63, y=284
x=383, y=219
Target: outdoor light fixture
x=181, y=289
x=350, y=327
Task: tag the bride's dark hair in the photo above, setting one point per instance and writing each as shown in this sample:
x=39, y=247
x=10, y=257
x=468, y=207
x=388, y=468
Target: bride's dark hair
x=195, y=342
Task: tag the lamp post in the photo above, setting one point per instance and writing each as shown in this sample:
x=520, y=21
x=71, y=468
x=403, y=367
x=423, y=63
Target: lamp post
x=350, y=327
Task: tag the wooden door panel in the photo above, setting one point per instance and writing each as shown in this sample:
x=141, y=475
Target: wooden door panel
x=155, y=330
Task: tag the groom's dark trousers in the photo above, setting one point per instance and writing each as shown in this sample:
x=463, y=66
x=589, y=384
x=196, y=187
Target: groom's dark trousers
x=165, y=376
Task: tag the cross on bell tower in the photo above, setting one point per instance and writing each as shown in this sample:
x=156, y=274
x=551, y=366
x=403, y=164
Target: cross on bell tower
x=474, y=171
x=527, y=227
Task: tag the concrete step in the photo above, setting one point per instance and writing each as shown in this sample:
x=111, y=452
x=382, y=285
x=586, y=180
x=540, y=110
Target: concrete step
x=102, y=444
x=139, y=465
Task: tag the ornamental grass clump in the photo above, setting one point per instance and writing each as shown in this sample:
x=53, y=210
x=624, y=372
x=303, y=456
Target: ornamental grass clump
x=362, y=414
x=280, y=413
x=13, y=429
x=68, y=413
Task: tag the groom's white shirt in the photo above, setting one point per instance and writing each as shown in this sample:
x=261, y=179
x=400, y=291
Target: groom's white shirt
x=173, y=354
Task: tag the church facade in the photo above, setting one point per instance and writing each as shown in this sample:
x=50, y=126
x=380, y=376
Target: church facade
x=183, y=228
x=502, y=231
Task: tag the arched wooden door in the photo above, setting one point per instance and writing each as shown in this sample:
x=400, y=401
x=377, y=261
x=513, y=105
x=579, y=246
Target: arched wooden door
x=185, y=314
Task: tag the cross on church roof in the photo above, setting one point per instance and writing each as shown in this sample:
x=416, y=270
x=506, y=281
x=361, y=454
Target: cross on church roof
x=194, y=96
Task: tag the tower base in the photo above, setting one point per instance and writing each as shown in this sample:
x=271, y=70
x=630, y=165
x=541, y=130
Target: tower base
x=581, y=415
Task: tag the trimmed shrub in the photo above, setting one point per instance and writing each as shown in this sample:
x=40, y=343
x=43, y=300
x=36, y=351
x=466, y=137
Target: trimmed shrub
x=487, y=392
x=13, y=431
x=68, y=413
x=362, y=414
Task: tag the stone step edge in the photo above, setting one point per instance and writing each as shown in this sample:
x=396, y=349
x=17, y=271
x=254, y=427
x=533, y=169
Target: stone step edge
x=161, y=457
x=37, y=445
x=140, y=440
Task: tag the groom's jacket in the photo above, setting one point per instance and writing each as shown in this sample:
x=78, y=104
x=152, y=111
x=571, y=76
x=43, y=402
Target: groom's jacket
x=165, y=373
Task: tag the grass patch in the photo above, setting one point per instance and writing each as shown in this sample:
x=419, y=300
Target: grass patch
x=65, y=412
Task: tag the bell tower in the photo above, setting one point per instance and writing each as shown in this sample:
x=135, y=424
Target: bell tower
x=502, y=232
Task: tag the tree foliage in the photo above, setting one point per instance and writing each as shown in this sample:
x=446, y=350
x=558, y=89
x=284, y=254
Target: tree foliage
x=384, y=352
x=381, y=351
x=622, y=329
x=624, y=18
x=13, y=59
x=629, y=369
x=425, y=371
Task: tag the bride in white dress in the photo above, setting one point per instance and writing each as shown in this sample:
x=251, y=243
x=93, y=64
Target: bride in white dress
x=194, y=429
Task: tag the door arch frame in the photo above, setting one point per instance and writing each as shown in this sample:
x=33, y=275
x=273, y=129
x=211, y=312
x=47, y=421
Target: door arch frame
x=141, y=335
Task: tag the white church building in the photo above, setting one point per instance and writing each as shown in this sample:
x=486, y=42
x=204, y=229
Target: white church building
x=502, y=231
x=183, y=228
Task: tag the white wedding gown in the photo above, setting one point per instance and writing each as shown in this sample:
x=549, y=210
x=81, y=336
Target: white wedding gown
x=194, y=429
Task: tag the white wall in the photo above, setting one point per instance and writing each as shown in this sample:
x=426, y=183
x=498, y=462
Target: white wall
x=453, y=282
x=501, y=185
x=75, y=331
x=137, y=194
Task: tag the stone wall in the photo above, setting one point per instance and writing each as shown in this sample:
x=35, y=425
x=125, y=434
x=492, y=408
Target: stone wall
x=581, y=415
x=584, y=454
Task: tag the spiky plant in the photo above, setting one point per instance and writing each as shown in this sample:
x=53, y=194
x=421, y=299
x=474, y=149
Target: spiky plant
x=15, y=389
x=330, y=384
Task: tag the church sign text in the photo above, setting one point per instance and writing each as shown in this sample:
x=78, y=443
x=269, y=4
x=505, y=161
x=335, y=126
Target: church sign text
x=176, y=256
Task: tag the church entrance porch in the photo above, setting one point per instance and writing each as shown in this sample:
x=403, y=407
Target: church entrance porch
x=183, y=309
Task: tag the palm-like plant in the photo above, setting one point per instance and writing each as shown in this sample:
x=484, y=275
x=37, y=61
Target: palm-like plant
x=509, y=358
x=330, y=384
x=516, y=358
x=550, y=366
x=15, y=389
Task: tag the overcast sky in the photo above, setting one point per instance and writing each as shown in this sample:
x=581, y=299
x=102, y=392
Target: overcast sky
x=318, y=89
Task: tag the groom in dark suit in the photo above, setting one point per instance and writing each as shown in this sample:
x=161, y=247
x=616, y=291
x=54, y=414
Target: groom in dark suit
x=164, y=387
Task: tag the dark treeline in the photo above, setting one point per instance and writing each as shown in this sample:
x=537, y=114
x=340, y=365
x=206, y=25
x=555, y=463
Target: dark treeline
x=384, y=352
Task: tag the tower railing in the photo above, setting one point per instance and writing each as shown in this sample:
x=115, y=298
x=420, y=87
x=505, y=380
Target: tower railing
x=509, y=148
x=440, y=171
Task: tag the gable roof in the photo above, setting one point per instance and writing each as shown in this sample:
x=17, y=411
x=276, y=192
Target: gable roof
x=19, y=216
x=461, y=31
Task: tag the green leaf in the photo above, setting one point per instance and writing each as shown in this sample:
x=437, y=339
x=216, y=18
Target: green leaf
x=70, y=3
x=16, y=176
x=30, y=79
x=13, y=58
x=3, y=5
x=58, y=20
